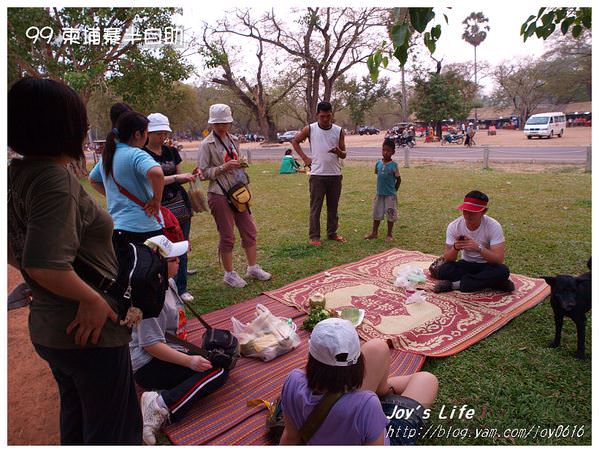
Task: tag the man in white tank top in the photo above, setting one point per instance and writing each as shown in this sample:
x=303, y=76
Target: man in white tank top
x=479, y=238
x=327, y=148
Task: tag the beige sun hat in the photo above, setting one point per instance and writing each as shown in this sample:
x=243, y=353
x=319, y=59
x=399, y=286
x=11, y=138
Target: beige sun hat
x=220, y=113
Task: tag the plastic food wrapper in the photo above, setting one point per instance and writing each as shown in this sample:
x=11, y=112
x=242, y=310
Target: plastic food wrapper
x=198, y=196
x=417, y=297
x=409, y=277
x=267, y=336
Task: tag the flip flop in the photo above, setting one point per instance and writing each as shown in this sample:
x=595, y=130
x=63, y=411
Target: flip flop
x=315, y=242
x=338, y=239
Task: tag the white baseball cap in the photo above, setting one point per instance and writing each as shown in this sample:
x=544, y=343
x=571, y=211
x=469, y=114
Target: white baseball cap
x=158, y=123
x=220, y=113
x=335, y=342
x=167, y=248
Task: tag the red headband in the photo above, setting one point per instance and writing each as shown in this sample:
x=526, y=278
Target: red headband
x=473, y=205
x=475, y=201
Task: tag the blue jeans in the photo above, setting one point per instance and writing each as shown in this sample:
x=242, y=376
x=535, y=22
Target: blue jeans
x=181, y=277
x=403, y=429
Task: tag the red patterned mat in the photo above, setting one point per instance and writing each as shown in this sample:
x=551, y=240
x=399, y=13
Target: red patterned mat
x=443, y=325
x=223, y=417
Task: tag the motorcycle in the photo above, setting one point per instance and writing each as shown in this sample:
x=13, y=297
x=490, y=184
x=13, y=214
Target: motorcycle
x=403, y=141
x=452, y=138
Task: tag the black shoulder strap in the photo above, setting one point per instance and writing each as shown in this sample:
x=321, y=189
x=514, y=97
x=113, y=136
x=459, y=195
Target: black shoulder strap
x=318, y=416
x=229, y=152
x=194, y=349
x=190, y=308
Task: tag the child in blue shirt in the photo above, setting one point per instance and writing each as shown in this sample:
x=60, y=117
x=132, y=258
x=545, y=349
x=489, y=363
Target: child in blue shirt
x=388, y=180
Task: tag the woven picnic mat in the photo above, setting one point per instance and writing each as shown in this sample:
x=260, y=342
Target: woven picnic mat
x=223, y=418
x=443, y=325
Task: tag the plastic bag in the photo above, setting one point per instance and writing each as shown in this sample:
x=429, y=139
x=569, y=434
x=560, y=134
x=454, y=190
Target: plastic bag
x=267, y=336
x=409, y=277
x=198, y=196
x=417, y=297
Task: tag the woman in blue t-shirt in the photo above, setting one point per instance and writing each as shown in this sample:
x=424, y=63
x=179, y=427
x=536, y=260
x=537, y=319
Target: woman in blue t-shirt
x=337, y=364
x=131, y=181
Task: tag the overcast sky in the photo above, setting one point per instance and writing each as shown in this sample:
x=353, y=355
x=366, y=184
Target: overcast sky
x=503, y=41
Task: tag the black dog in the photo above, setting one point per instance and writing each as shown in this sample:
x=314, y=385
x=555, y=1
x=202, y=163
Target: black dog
x=571, y=297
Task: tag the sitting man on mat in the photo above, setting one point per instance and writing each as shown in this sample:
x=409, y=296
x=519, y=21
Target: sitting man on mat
x=480, y=240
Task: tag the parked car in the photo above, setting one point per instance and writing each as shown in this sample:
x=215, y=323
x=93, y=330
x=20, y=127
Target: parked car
x=368, y=130
x=287, y=136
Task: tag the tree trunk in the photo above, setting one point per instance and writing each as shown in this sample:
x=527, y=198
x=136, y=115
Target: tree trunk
x=476, y=87
x=404, y=96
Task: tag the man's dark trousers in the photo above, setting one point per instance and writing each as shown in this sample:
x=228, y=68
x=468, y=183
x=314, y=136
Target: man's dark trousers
x=321, y=186
x=474, y=276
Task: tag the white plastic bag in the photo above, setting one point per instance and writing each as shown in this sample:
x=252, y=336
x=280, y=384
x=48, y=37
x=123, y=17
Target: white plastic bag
x=267, y=336
x=409, y=277
x=417, y=297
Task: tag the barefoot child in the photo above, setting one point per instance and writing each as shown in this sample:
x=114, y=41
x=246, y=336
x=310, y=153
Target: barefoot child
x=388, y=180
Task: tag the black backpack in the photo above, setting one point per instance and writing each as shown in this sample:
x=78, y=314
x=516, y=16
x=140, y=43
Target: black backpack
x=142, y=281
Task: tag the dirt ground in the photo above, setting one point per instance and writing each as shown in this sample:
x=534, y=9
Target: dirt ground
x=574, y=136
x=32, y=401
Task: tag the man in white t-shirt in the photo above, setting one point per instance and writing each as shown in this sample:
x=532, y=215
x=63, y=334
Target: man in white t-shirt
x=327, y=149
x=480, y=240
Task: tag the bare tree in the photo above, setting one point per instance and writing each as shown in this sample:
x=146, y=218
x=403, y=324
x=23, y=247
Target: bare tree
x=253, y=95
x=324, y=43
x=520, y=85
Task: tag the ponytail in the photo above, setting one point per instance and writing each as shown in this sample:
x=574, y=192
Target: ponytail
x=126, y=126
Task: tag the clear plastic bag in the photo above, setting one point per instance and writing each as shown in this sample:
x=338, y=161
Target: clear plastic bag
x=198, y=196
x=416, y=298
x=267, y=336
x=410, y=277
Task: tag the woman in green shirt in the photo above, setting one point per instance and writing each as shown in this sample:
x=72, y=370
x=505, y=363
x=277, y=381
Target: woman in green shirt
x=288, y=164
x=56, y=234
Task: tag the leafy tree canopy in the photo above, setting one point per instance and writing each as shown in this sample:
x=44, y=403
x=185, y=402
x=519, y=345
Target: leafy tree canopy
x=573, y=20
x=88, y=48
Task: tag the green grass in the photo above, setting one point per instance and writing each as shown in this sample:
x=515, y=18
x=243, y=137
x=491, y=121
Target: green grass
x=511, y=379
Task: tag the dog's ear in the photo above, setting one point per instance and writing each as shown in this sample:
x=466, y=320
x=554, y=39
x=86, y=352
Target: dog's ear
x=550, y=280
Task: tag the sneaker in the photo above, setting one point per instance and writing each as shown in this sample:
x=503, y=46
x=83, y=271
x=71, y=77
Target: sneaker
x=506, y=287
x=153, y=415
x=233, y=279
x=186, y=297
x=258, y=273
x=192, y=271
x=443, y=286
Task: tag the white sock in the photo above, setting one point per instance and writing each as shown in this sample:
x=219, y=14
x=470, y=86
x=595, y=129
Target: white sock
x=254, y=267
x=228, y=274
x=455, y=285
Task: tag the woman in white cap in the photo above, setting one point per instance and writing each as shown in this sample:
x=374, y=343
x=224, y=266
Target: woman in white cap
x=174, y=196
x=174, y=378
x=218, y=160
x=337, y=364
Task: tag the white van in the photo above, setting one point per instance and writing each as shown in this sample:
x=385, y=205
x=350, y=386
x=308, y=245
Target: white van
x=545, y=125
